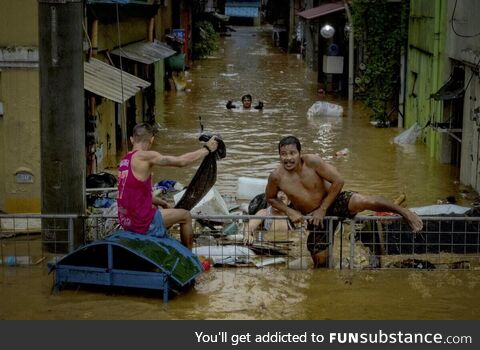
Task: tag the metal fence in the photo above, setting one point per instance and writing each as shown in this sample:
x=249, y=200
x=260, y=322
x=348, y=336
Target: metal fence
x=444, y=243
x=364, y=242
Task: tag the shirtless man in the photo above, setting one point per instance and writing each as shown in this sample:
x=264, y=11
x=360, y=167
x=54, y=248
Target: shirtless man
x=137, y=208
x=246, y=103
x=315, y=188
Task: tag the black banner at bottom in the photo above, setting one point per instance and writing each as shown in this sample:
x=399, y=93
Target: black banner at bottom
x=239, y=334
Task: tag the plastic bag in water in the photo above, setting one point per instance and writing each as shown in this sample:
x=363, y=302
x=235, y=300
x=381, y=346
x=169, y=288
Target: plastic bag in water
x=409, y=136
x=325, y=109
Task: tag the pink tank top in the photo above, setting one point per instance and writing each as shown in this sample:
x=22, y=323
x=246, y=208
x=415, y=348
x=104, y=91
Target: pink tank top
x=134, y=199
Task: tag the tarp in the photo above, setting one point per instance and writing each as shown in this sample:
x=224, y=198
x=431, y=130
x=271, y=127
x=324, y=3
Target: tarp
x=454, y=87
x=167, y=253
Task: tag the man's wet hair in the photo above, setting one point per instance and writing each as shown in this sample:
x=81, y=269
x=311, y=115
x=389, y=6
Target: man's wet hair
x=247, y=96
x=289, y=140
x=143, y=132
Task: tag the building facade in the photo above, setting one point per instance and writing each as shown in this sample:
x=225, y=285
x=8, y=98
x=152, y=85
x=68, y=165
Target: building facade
x=442, y=90
x=124, y=73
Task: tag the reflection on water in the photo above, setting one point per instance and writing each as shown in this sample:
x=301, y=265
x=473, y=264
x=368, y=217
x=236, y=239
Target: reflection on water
x=246, y=63
x=255, y=294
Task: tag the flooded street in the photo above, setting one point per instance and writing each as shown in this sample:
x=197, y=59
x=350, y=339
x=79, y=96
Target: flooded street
x=247, y=63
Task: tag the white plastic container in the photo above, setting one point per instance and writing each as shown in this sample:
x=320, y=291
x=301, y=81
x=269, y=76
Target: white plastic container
x=249, y=187
x=211, y=204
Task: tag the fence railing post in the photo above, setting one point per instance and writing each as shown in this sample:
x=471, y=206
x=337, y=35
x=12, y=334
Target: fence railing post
x=352, y=242
x=70, y=235
x=330, y=241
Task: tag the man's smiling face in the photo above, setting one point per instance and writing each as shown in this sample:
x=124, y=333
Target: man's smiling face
x=289, y=157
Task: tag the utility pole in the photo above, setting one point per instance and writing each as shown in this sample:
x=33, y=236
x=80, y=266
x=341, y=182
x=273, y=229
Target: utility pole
x=62, y=124
x=350, y=56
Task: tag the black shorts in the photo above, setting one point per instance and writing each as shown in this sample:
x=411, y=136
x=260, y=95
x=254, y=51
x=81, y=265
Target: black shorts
x=339, y=206
x=317, y=240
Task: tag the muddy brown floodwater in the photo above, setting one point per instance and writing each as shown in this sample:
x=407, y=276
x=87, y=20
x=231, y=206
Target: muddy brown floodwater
x=247, y=63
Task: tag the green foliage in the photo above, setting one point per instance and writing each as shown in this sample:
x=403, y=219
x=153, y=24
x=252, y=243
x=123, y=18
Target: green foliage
x=381, y=32
x=205, y=39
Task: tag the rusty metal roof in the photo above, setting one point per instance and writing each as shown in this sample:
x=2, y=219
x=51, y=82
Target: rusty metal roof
x=145, y=51
x=322, y=10
x=110, y=82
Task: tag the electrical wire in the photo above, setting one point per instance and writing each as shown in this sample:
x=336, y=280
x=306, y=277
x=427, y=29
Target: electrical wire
x=121, y=71
x=90, y=46
x=453, y=27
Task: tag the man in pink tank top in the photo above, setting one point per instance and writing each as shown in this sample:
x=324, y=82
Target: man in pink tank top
x=137, y=208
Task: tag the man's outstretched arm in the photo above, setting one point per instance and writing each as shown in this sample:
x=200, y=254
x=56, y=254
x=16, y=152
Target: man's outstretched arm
x=156, y=158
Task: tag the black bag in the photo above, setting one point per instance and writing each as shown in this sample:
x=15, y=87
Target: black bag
x=205, y=177
x=257, y=203
x=101, y=180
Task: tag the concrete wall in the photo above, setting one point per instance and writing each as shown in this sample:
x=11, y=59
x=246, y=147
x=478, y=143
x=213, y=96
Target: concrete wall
x=21, y=140
x=20, y=124
x=2, y=152
x=131, y=30
x=465, y=49
x=21, y=15
x=163, y=21
x=106, y=135
x=469, y=166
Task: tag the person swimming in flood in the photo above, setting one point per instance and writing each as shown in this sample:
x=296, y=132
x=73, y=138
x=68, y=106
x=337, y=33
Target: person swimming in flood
x=246, y=103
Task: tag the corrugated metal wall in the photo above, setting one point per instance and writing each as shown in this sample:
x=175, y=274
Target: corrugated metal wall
x=425, y=68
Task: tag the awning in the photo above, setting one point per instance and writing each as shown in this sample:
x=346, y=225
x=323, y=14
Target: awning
x=110, y=82
x=221, y=17
x=145, y=51
x=322, y=10
x=453, y=88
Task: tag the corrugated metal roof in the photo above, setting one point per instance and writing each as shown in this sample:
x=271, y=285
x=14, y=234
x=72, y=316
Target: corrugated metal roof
x=110, y=82
x=322, y=10
x=122, y=2
x=145, y=51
